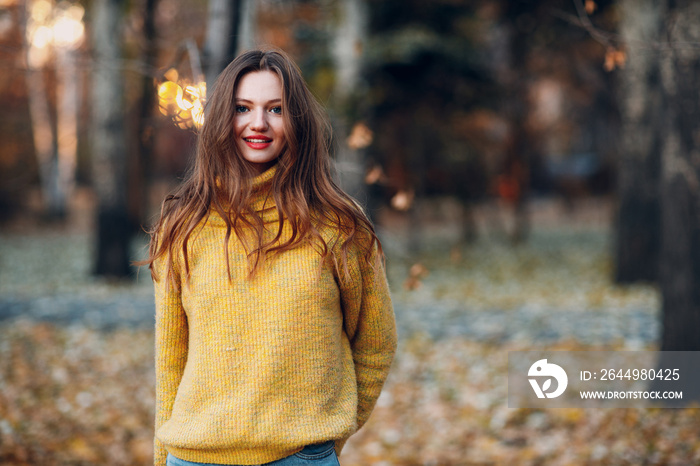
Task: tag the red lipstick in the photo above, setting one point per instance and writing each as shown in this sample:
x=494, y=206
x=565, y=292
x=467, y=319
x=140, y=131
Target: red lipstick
x=257, y=141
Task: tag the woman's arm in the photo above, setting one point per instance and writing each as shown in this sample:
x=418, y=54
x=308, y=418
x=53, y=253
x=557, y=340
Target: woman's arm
x=171, y=342
x=370, y=325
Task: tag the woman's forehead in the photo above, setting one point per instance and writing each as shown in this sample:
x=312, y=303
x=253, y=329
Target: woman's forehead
x=257, y=85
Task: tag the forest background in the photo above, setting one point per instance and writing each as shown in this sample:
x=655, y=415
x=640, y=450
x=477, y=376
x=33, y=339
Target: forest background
x=531, y=167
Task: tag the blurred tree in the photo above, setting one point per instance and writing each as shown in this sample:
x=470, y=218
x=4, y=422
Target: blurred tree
x=230, y=30
x=638, y=229
x=221, y=39
x=39, y=111
x=679, y=275
x=53, y=35
x=658, y=227
x=141, y=164
x=246, y=29
x=425, y=72
x=556, y=98
x=114, y=228
x=480, y=98
x=347, y=50
x=513, y=183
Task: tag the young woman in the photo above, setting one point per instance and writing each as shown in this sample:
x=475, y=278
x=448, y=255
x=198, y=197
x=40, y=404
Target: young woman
x=274, y=326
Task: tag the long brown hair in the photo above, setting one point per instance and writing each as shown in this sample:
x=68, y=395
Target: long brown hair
x=219, y=181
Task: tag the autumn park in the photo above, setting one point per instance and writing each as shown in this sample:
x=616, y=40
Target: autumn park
x=531, y=169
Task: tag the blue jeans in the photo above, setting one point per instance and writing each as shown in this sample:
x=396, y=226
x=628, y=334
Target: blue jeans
x=320, y=454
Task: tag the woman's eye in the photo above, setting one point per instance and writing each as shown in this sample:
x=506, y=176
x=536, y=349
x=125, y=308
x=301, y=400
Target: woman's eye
x=277, y=110
x=241, y=109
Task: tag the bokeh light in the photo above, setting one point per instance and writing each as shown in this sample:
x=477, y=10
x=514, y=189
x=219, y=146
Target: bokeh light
x=182, y=100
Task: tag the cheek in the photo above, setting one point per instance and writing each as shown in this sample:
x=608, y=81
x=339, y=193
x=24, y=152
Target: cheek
x=280, y=130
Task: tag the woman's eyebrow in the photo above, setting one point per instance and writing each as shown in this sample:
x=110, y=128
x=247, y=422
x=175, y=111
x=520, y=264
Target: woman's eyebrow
x=273, y=101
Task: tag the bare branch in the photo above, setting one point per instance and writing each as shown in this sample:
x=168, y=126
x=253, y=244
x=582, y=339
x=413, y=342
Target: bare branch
x=611, y=39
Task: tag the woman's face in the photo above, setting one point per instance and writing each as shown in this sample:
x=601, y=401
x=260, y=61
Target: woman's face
x=258, y=123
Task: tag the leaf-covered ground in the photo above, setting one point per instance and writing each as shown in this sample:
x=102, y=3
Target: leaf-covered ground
x=76, y=396
x=69, y=395
x=74, y=393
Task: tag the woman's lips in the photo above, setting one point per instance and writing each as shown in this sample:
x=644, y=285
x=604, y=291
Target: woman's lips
x=258, y=142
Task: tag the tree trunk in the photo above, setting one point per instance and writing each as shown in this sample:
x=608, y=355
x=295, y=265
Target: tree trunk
x=230, y=30
x=347, y=48
x=638, y=232
x=43, y=136
x=515, y=82
x=222, y=37
x=108, y=142
x=680, y=180
x=142, y=160
x=246, y=29
x=40, y=114
x=66, y=128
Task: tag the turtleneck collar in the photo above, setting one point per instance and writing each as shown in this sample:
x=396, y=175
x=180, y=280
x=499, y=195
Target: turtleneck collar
x=261, y=199
x=263, y=181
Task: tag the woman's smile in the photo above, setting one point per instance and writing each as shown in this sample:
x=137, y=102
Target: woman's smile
x=258, y=142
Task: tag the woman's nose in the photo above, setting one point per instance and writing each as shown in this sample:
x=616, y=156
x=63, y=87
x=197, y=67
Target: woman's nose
x=259, y=122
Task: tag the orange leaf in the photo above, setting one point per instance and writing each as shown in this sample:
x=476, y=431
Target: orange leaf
x=620, y=58
x=360, y=136
x=590, y=6
x=613, y=58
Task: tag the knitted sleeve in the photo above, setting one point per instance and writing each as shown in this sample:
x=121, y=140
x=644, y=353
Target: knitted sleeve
x=370, y=325
x=171, y=342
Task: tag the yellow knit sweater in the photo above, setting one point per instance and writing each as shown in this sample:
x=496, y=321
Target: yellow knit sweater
x=250, y=370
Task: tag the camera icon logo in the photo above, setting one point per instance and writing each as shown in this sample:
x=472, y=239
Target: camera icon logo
x=541, y=369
